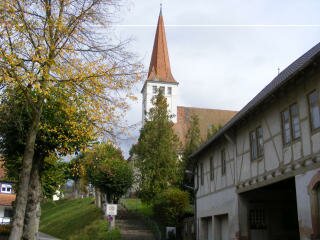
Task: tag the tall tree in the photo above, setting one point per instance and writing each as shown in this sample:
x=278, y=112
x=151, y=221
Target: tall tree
x=193, y=141
x=108, y=171
x=76, y=173
x=53, y=47
x=57, y=122
x=156, y=152
x=193, y=138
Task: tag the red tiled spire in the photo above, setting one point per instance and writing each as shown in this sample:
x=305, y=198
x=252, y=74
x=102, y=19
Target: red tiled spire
x=159, y=68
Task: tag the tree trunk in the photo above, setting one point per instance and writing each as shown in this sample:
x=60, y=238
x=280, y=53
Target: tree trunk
x=38, y=215
x=29, y=228
x=22, y=194
x=98, y=198
x=76, y=188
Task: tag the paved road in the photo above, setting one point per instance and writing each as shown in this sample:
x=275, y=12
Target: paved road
x=43, y=236
x=131, y=227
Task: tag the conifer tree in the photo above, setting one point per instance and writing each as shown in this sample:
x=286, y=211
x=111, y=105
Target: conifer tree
x=212, y=130
x=193, y=141
x=156, y=152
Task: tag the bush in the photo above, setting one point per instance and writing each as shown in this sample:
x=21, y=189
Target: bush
x=170, y=206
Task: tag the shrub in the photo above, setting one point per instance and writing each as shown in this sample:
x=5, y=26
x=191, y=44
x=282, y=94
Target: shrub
x=170, y=206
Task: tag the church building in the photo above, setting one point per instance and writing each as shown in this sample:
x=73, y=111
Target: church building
x=160, y=78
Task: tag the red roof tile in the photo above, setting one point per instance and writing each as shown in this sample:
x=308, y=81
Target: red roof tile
x=207, y=117
x=7, y=199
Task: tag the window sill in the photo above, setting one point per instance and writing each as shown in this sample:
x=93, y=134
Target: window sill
x=293, y=142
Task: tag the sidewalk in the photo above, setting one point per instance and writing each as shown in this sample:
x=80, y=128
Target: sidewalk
x=43, y=236
x=131, y=227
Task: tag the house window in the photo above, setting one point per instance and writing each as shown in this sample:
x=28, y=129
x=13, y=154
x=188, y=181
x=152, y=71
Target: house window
x=154, y=89
x=162, y=90
x=6, y=188
x=201, y=174
x=211, y=168
x=8, y=213
x=257, y=219
x=169, y=90
x=223, y=162
x=295, y=122
x=314, y=110
x=286, y=126
x=256, y=143
x=290, y=124
x=259, y=141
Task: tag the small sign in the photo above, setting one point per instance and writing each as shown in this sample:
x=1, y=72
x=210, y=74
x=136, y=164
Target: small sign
x=112, y=209
x=171, y=232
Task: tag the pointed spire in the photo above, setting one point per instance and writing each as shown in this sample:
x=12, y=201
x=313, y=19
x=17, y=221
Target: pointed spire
x=159, y=68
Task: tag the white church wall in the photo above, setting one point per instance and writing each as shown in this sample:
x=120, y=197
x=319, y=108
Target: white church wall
x=148, y=94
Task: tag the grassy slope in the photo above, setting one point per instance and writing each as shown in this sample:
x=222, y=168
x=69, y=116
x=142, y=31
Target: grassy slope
x=67, y=219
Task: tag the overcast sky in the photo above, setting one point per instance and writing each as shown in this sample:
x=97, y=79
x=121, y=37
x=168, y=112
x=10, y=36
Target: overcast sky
x=222, y=52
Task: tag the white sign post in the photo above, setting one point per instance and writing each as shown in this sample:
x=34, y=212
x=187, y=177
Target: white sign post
x=112, y=209
x=111, y=212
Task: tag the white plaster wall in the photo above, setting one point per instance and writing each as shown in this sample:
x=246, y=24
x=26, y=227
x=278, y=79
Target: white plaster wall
x=220, y=181
x=171, y=99
x=269, y=117
x=217, y=196
x=303, y=201
x=221, y=202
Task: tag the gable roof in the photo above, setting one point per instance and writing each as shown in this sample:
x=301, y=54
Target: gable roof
x=159, y=69
x=207, y=117
x=284, y=77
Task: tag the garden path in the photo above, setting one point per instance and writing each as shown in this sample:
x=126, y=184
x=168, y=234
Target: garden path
x=131, y=226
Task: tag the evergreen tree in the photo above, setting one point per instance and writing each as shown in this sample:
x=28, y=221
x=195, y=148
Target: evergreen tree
x=156, y=152
x=193, y=141
x=212, y=130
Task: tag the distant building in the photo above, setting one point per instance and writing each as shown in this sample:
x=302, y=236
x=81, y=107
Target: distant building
x=7, y=196
x=258, y=178
x=6, y=212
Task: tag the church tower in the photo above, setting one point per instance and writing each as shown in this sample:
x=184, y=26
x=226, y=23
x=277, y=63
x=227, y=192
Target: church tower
x=159, y=75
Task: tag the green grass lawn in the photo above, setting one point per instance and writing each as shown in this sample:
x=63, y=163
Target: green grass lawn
x=75, y=219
